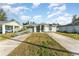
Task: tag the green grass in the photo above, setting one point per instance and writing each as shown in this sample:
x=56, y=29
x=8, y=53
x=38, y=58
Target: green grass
x=75, y=36
x=25, y=49
x=6, y=36
x=2, y=38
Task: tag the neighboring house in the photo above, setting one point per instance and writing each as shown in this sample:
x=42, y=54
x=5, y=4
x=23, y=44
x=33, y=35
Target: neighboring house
x=69, y=28
x=72, y=27
x=9, y=26
x=41, y=27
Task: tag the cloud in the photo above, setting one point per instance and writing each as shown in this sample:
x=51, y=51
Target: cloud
x=35, y=5
x=11, y=3
x=37, y=17
x=57, y=11
x=24, y=17
x=54, y=14
x=64, y=19
x=18, y=9
x=61, y=8
x=14, y=10
x=54, y=5
x=59, y=14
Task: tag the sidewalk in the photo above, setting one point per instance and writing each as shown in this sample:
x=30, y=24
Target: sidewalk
x=68, y=43
x=9, y=45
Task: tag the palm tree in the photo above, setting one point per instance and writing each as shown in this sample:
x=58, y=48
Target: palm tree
x=2, y=15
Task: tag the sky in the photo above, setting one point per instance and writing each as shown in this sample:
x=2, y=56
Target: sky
x=41, y=12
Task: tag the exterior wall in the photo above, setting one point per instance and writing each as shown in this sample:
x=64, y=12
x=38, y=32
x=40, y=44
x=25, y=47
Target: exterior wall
x=69, y=29
x=17, y=28
x=77, y=29
x=46, y=28
x=54, y=28
x=42, y=28
x=30, y=30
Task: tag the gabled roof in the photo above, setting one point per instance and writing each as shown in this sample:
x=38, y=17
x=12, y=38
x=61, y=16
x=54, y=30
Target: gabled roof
x=3, y=22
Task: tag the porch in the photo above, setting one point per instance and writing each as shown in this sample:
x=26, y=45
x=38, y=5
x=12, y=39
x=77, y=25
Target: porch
x=35, y=28
x=8, y=28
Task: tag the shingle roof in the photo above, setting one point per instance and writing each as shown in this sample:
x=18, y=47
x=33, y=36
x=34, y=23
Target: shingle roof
x=2, y=22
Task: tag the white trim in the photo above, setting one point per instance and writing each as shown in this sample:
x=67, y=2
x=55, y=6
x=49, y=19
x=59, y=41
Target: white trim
x=40, y=28
x=13, y=29
x=3, y=29
x=34, y=28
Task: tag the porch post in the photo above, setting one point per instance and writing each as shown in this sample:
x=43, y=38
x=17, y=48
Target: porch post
x=40, y=28
x=13, y=29
x=34, y=28
x=3, y=29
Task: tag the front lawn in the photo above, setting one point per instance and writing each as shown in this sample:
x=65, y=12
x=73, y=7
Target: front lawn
x=6, y=36
x=75, y=36
x=2, y=38
x=38, y=45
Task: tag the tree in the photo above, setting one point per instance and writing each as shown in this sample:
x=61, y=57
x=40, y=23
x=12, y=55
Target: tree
x=74, y=19
x=2, y=15
x=26, y=23
x=12, y=19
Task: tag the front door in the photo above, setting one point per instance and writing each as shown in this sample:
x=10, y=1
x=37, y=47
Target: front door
x=38, y=28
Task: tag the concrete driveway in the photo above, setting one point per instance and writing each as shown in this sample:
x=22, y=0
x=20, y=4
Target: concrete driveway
x=9, y=45
x=68, y=43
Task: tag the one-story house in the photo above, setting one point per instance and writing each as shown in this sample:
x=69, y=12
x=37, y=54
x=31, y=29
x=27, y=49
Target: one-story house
x=9, y=26
x=69, y=28
x=73, y=27
x=41, y=27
